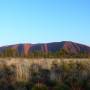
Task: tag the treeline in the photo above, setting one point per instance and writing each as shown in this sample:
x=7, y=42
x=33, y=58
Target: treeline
x=9, y=52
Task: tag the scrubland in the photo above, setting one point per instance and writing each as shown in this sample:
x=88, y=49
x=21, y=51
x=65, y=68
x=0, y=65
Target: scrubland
x=44, y=74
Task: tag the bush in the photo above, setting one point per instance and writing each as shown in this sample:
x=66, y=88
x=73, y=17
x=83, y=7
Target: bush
x=61, y=87
x=40, y=87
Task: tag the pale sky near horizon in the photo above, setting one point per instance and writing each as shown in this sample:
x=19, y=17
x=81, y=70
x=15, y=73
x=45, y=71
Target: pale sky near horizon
x=38, y=21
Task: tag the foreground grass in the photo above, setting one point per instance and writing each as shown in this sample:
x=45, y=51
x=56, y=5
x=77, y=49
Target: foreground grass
x=44, y=74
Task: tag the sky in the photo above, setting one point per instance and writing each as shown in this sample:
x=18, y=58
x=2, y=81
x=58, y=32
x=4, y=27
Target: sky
x=42, y=21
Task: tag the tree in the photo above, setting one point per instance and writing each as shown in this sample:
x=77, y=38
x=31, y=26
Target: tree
x=63, y=53
x=9, y=52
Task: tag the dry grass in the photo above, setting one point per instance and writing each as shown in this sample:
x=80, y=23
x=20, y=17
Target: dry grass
x=23, y=65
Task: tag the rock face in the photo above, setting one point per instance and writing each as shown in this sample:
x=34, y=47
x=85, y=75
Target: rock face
x=70, y=47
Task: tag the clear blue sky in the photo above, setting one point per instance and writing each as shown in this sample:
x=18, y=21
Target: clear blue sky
x=37, y=21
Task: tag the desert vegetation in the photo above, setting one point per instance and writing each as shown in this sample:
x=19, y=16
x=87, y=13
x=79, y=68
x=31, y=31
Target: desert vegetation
x=44, y=74
x=62, y=53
